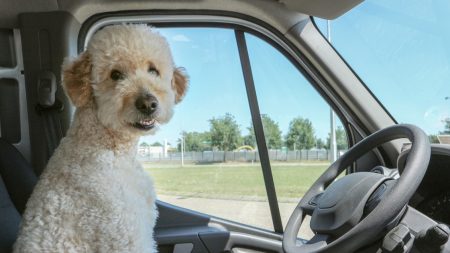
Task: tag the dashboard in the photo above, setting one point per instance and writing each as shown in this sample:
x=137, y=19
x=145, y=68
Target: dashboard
x=432, y=198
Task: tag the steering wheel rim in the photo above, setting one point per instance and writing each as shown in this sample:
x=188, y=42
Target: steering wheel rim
x=385, y=212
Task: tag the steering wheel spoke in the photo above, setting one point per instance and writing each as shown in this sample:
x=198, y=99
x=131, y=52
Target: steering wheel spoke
x=316, y=243
x=310, y=205
x=320, y=240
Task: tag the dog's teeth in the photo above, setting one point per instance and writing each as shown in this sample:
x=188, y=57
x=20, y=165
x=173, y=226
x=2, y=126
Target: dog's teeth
x=147, y=122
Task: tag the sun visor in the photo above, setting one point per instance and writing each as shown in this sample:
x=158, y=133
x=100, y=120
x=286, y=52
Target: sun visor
x=327, y=9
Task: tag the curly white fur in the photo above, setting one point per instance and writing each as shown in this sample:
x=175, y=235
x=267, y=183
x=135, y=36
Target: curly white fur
x=94, y=195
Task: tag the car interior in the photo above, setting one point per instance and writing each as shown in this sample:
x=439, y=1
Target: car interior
x=393, y=196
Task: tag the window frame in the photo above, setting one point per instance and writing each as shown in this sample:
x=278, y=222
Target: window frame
x=240, y=24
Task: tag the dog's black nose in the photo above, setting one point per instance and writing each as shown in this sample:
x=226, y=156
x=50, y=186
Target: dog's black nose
x=147, y=104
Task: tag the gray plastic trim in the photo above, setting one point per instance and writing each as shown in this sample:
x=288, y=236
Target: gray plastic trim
x=246, y=240
x=16, y=73
x=436, y=149
x=183, y=248
x=416, y=221
x=185, y=19
x=227, y=225
x=440, y=149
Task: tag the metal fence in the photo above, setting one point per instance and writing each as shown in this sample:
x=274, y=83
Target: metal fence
x=241, y=156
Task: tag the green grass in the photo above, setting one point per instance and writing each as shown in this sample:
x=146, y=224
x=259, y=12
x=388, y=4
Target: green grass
x=233, y=181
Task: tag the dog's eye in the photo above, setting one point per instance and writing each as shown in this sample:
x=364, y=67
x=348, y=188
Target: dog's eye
x=153, y=71
x=116, y=75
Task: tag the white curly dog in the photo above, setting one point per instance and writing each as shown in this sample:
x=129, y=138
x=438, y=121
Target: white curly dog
x=94, y=195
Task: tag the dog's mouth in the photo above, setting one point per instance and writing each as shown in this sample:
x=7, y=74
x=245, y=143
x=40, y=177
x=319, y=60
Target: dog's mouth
x=144, y=124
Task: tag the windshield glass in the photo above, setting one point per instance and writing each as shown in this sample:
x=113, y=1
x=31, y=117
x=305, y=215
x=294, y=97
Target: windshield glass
x=401, y=51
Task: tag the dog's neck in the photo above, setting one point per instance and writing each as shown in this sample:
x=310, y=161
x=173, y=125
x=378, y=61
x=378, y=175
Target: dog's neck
x=88, y=132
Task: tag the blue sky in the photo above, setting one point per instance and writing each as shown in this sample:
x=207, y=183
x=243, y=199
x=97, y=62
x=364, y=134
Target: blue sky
x=400, y=49
x=211, y=59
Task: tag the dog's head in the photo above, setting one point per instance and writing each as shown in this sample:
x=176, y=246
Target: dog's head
x=128, y=75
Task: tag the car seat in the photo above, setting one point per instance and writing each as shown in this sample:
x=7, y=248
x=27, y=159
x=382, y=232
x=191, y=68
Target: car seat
x=17, y=180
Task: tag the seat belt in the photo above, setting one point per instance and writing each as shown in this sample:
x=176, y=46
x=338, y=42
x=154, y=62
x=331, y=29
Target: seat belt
x=49, y=107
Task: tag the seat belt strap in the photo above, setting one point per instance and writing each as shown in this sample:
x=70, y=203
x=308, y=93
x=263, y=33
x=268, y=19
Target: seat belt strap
x=49, y=107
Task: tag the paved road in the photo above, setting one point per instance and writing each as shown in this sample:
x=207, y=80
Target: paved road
x=255, y=213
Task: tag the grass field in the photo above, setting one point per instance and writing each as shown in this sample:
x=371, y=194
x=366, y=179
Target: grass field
x=233, y=181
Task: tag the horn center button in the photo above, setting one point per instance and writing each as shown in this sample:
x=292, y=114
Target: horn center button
x=342, y=204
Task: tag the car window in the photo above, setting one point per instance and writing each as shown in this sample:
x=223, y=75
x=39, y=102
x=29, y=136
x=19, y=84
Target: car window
x=400, y=50
x=296, y=122
x=9, y=89
x=199, y=160
x=206, y=158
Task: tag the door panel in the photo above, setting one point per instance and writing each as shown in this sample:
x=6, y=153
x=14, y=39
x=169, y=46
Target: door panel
x=180, y=230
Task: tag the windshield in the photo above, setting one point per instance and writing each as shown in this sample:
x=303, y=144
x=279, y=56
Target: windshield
x=401, y=51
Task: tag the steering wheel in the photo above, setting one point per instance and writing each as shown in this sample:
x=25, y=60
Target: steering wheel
x=359, y=208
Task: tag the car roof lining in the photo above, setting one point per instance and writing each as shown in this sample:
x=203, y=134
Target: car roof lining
x=83, y=9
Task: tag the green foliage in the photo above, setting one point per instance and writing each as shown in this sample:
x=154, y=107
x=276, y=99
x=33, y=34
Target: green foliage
x=195, y=141
x=446, y=127
x=156, y=144
x=300, y=134
x=250, y=139
x=144, y=144
x=272, y=133
x=341, y=139
x=225, y=133
x=433, y=138
x=320, y=144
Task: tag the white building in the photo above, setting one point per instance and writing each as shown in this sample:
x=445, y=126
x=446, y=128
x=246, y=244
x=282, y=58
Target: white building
x=153, y=151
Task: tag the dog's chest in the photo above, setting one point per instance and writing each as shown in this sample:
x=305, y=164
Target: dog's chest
x=137, y=190
x=134, y=197
x=136, y=186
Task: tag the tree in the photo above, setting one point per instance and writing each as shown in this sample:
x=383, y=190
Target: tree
x=144, y=144
x=320, y=144
x=446, y=127
x=250, y=139
x=300, y=134
x=156, y=144
x=225, y=133
x=341, y=139
x=433, y=138
x=272, y=134
x=195, y=141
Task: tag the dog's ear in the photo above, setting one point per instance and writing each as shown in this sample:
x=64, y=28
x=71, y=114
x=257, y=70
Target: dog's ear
x=76, y=79
x=179, y=83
